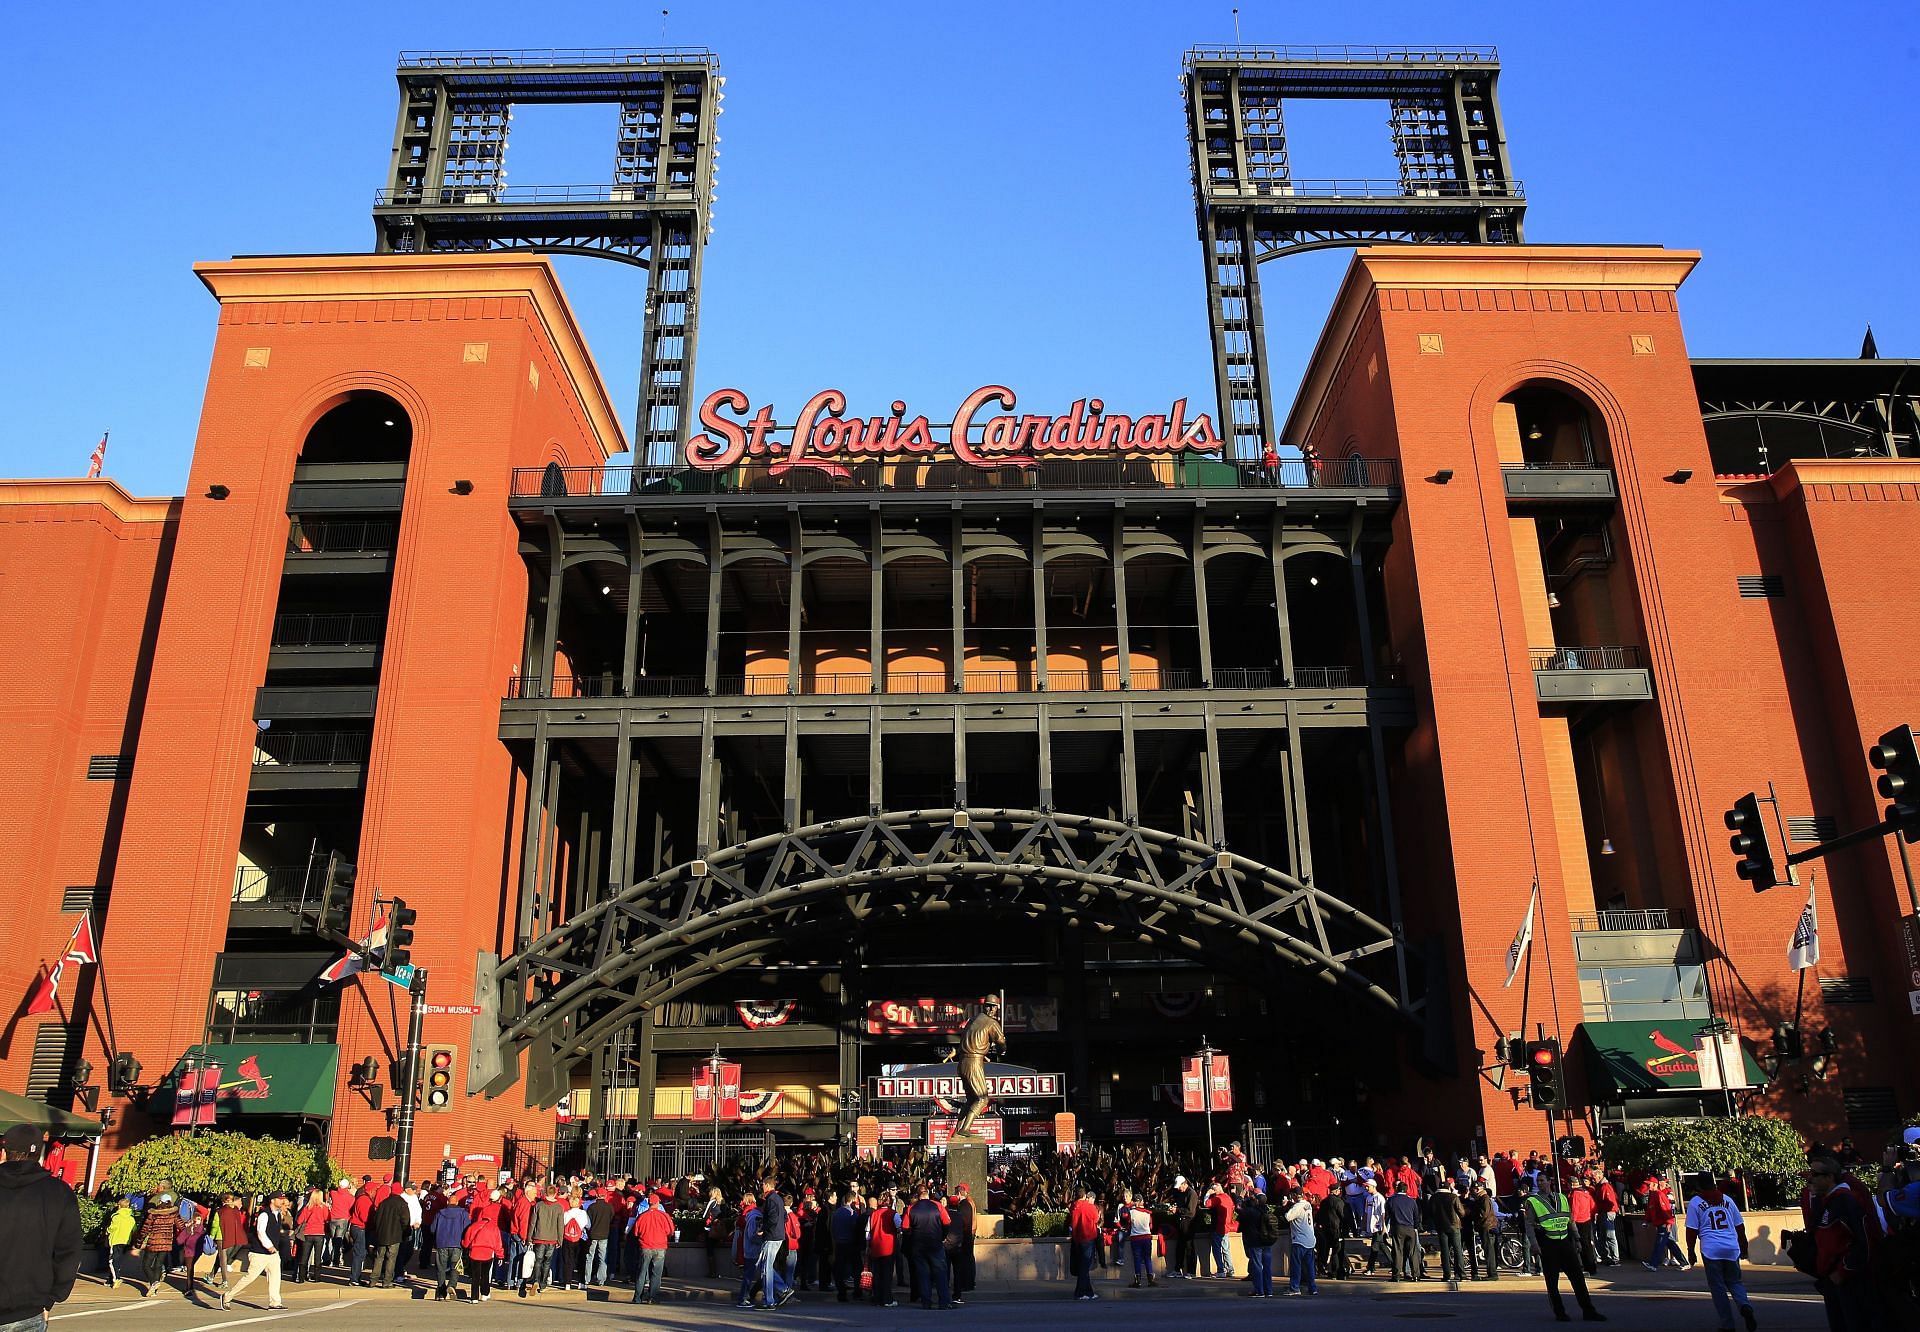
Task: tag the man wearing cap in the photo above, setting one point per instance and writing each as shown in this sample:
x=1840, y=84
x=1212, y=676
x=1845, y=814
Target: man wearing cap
x=1551, y=1227
x=39, y=1234
x=1186, y=1206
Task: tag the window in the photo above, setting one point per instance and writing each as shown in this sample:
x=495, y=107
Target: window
x=294, y=1016
x=82, y=897
x=1644, y=993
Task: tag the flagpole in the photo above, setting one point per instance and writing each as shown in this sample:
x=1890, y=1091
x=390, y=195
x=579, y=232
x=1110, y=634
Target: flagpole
x=106, y=1000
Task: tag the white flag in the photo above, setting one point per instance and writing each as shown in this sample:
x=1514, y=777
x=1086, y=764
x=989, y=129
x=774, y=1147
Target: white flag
x=1523, y=940
x=1804, y=951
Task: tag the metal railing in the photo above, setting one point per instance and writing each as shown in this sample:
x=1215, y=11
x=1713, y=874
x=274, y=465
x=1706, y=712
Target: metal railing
x=1341, y=53
x=309, y=749
x=341, y=536
x=1011, y=681
x=280, y=885
x=1577, y=465
x=447, y=196
x=1586, y=659
x=1355, y=187
x=303, y=629
x=561, y=55
x=556, y=482
x=1643, y=918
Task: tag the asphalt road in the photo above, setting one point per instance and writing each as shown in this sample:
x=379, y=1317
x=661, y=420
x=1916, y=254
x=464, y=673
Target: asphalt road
x=1674, y=1302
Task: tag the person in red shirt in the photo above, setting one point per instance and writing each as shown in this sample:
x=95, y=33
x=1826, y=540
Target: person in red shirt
x=1225, y=1223
x=1660, y=1225
x=654, y=1229
x=883, y=1233
x=358, y=1216
x=1083, y=1232
x=312, y=1227
x=1580, y=1210
x=1606, y=1206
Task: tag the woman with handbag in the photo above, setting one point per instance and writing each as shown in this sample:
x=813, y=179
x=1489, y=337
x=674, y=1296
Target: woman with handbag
x=312, y=1225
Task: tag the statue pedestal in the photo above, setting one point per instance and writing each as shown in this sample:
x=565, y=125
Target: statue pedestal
x=967, y=1164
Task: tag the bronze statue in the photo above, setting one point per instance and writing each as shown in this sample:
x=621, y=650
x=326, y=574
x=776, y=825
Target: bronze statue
x=983, y=1036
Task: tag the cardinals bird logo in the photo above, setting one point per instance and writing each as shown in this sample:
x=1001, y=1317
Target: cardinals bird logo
x=1677, y=1060
x=251, y=1085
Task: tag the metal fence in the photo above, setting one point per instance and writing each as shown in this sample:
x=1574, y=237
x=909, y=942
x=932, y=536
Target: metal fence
x=912, y=475
x=1586, y=659
x=273, y=747
x=1643, y=918
x=1146, y=678
x=325, y=536
x=301, y=629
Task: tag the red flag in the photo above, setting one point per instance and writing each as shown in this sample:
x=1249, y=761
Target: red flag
x=99, y=459
x=80, y=950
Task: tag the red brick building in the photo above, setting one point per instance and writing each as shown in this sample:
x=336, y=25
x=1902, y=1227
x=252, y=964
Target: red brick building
x=1162, y=743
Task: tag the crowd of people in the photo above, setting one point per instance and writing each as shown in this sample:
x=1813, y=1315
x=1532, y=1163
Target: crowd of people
x=882, y=1228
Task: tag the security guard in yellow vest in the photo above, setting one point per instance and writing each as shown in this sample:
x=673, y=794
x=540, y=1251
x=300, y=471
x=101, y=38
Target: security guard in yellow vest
x=1550, y=1227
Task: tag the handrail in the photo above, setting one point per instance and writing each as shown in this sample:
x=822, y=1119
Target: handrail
x=346, y=629
x=1577, y=465
x=1354, y=187
x=1340, y=53
x=1201, y=473
x=474, y=196
x=1586, y=658
x=1012, y=680
x=1622, y=918
x=300, y=749
x=560, y=55
x=345, y=536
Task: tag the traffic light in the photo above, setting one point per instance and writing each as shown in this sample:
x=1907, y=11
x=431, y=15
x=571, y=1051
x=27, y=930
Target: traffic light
x=337, y=892
x=124, y=1076
x=399, y=935
x=1787, y=1042
x=1516, y=1053
x=1899, y=784
x=1752, y=841
x=439, y=1090
x=1547, y=1089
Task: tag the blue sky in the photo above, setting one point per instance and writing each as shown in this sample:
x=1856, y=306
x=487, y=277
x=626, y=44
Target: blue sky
x=916, y=199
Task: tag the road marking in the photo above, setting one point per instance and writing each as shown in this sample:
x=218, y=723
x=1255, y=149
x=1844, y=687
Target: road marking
x=111, y=1308
x=278, y=1315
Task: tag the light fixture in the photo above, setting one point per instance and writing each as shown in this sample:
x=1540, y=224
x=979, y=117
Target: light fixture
x=218, y=492
x=386, y=423
x=1681, y=476
x=1313, y=580
x=1534, y=433
x=1444, y=475
x=1606, y=846
x=1553, y=601
x=463, y=487
x=606, y=589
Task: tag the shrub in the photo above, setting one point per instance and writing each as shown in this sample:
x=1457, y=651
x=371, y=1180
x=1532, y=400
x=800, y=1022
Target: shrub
x=210, y=1164
x=1047, y=1225
x=1754, y=1145
x=93, y=1218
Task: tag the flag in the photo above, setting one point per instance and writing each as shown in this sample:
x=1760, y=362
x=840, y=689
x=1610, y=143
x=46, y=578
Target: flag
x=80, y=951
x=99, y=459
x=353, y=962
x=1804, y=949
x=1522, y=941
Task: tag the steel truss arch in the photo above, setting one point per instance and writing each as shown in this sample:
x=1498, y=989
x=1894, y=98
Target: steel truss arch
x=570, y=989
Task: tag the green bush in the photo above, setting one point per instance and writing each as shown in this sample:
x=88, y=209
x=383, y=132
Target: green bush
x=210, y=1164
x=93, y=1218
x=1047, y=1225
x=1751, y=1144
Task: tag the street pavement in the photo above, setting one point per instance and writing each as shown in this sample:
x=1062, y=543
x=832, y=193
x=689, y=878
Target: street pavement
x=1636, y=1301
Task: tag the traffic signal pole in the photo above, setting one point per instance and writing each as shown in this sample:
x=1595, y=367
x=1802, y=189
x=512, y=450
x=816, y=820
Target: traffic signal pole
x=409, y=1078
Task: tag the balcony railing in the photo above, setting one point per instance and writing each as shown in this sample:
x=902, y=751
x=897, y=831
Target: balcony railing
x=280, y=886
x=340, y=536
x=274, y=748
x=561, y=55
x=911, y=476
x=1021, y=681
x=1344, y=54
x=1642, y=918
x=301, y=629
x=1586, y=659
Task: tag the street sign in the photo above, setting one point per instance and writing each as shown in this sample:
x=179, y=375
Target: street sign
x=451, y=1010
x=401, y=975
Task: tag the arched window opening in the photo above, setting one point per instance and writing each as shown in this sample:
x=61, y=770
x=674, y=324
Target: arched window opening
x=368, y=427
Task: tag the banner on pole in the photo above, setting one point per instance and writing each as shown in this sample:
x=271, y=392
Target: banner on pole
x=1522, y=940
x=1194, y=1084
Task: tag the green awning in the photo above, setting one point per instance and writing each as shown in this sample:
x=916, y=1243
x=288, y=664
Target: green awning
x=57, y=1123
x=264, y=1078
x=1642, y=1058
